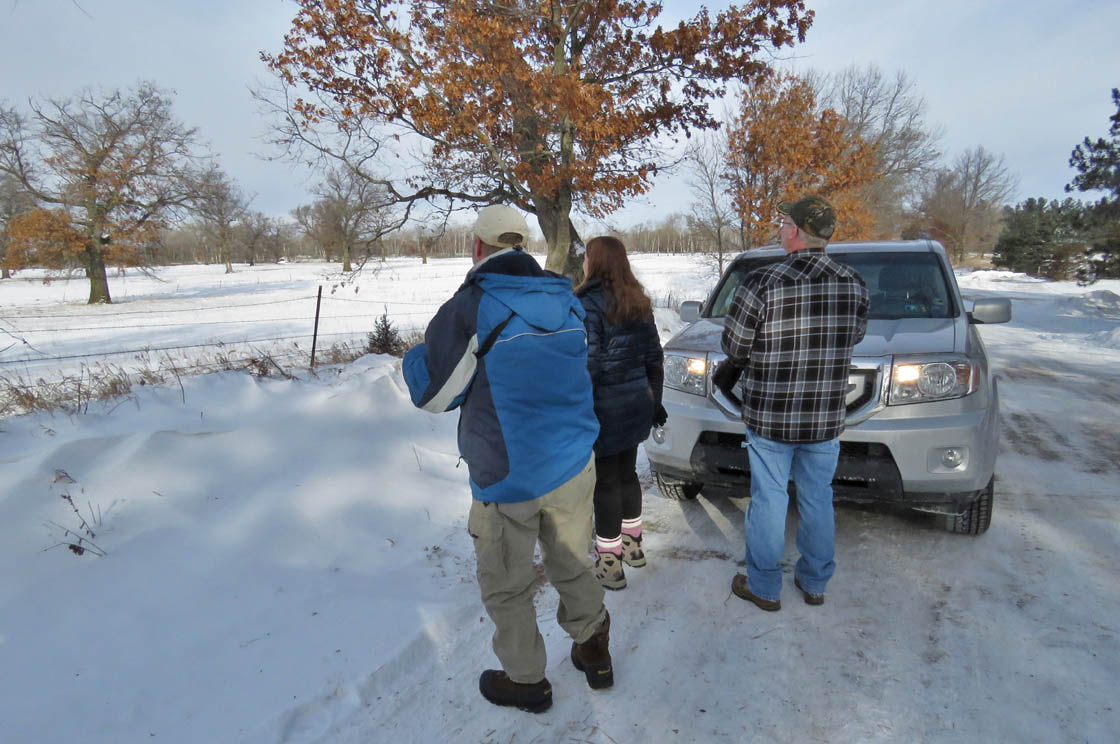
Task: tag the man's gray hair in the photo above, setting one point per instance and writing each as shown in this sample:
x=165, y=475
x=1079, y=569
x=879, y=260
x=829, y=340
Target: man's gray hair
x=811, y=241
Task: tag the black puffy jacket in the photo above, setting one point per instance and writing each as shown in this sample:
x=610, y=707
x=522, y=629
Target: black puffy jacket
x=627, y=373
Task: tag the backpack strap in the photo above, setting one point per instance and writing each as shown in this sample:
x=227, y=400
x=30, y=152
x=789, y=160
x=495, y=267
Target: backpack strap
x=493, y=337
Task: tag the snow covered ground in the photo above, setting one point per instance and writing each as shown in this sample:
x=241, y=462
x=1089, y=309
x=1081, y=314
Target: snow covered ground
x=287, y=561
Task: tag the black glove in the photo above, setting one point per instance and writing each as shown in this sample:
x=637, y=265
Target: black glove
x=660, y=415
x=726, y=377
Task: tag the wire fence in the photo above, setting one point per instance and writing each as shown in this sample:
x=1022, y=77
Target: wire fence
x=66, y=374
x=18, y=328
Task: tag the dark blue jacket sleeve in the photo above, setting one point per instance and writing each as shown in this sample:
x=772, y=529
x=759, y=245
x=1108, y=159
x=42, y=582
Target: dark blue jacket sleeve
x=596, y=348
x=439, y=371
x=655, y=361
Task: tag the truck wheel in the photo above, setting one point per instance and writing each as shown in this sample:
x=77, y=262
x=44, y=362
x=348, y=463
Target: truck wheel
x=677, y=490
x=976, y=519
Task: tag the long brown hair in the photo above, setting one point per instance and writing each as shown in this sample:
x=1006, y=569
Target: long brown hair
x=607, y=262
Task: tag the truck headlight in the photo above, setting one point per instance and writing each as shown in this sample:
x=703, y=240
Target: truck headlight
x=928, y=379
x=686, y=373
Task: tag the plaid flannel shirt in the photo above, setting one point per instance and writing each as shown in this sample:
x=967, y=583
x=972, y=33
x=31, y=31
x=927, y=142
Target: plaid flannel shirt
x=791, y=327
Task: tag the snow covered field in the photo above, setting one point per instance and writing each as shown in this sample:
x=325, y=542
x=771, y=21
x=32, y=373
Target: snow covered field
x=287, y=561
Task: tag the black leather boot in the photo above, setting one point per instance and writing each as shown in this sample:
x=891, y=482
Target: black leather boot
x=593, y=657
x=496, y=686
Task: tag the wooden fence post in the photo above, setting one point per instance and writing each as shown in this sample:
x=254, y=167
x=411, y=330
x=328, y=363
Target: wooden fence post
x=315, y=333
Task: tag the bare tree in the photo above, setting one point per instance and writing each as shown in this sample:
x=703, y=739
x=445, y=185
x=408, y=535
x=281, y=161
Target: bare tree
x=258, y=233
x=713, y=213
x=314, y=223
x=889, y=114
x=351, y=213
x=113, y=163
x=962, y=206
x=220, y=204
x=14, y=200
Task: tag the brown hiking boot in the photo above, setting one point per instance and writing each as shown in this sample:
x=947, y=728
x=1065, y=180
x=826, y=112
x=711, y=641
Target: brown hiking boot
x=593, y=657
x=632, y=553
x=608, y=570
x=741, y=590
x=496, y=686
x=810, y=598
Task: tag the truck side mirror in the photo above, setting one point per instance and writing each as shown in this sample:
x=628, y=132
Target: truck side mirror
x=690, y=311
x=992, y=310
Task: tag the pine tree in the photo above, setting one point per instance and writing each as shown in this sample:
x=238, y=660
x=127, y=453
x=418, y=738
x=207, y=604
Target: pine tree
x=1042, y=238
x=384, y=339
x=1098, y=169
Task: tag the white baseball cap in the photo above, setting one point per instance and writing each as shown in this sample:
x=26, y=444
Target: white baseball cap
x=502, y=226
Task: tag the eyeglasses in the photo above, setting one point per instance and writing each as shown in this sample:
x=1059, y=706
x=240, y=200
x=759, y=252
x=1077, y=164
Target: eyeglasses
x=782, y=219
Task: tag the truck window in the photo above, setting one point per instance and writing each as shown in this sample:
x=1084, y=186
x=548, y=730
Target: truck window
x=725, y=292
x=900, y=285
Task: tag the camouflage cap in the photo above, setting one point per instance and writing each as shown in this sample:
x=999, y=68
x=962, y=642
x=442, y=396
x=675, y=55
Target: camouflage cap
x=813, y=214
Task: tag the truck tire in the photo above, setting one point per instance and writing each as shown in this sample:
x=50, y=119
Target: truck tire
x=676, y=490
x=976, y=519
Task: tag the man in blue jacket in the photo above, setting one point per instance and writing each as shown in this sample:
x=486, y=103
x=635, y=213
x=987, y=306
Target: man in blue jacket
x=509, y=350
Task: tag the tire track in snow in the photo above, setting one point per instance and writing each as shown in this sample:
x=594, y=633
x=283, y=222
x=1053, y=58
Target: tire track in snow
x=1022, y=433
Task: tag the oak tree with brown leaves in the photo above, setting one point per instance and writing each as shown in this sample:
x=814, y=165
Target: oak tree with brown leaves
x=108, y=165
x=551, y=106
x=782, y=145
x=43, y=237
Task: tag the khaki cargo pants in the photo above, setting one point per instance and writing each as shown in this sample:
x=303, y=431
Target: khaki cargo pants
x=504, y=538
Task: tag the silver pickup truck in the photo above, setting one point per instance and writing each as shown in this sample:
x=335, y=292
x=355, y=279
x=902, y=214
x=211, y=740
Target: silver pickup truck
x=922, y=424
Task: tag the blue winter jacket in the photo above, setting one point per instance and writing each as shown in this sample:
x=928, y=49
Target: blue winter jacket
x=626, y=365
x=527, y=421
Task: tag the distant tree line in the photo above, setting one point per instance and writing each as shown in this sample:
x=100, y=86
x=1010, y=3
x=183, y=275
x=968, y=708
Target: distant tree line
x=858, y=138
x=113, y=179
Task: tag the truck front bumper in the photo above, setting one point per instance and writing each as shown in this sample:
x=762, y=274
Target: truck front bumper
x=902, y=454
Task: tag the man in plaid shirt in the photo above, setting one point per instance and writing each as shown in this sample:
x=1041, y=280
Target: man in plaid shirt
x=790, y=333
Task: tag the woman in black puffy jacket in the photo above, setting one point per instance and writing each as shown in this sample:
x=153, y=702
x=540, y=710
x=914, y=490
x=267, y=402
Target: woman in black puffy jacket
x=625, y=361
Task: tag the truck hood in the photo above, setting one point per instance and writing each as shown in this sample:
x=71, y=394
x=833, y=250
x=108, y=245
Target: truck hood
x=703, y=336
x=884, y=337
x=911, y=336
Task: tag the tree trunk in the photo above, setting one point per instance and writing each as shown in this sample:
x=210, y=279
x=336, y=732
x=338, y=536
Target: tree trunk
x=346, y=258
x=560, y=235
x=226, y=251
x=98, y=281
x=5, y=273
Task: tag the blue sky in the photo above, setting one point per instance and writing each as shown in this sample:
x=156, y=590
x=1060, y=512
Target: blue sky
x=1027, y=79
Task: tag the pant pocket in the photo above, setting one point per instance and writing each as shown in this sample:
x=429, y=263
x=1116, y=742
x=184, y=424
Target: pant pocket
x=751, y=442
x=484, y=525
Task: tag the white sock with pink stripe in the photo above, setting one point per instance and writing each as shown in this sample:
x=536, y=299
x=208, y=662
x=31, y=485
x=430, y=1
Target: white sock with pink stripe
x=609, y=544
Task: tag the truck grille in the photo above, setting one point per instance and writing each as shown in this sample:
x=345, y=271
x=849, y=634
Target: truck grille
x=867, y=388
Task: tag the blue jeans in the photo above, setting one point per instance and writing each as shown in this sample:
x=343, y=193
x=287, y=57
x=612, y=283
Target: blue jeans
x=812, y=467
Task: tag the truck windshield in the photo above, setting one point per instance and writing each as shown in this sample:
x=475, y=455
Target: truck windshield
x=900, y=285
